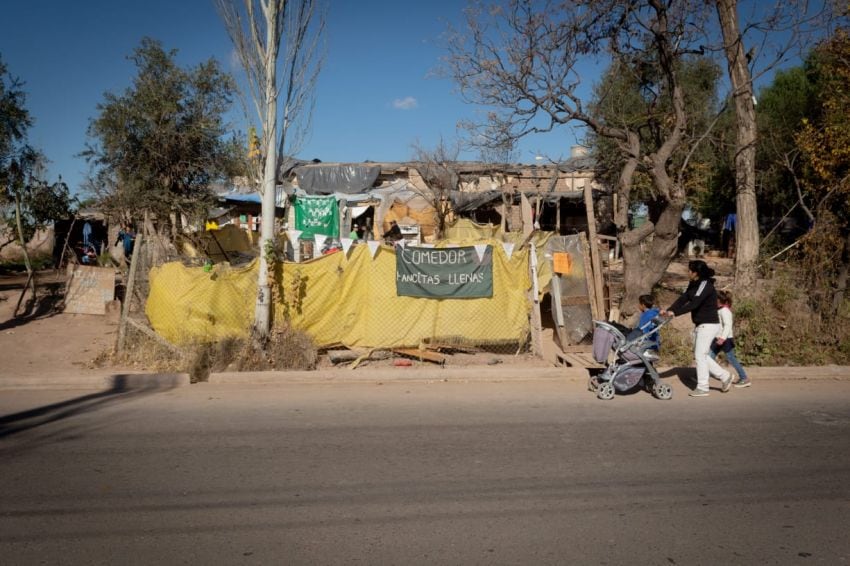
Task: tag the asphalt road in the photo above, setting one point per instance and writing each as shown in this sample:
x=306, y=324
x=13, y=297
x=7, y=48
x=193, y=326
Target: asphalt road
x=426, y=473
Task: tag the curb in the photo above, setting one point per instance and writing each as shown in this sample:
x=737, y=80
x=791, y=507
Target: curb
x=97, y=380
x=127, y=381
x=487, y=374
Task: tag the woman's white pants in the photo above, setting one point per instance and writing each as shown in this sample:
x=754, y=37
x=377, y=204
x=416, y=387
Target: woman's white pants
x=704, y=336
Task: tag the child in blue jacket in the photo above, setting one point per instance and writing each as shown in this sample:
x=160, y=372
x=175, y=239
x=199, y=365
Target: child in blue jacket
x=646, y=323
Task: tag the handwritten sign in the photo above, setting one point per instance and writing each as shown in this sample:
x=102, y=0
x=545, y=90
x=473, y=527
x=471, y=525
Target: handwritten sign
x=89, y=289
x=445, y=273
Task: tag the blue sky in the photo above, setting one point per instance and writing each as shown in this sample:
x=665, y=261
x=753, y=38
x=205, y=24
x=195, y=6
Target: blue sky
x=376, y=95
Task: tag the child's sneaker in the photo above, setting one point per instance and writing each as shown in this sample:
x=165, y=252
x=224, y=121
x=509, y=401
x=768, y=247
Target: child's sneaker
x=698, y=393
x=743, y=383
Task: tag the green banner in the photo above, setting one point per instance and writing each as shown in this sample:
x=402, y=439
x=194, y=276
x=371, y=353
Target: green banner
x=444, y=273
x=316, y=215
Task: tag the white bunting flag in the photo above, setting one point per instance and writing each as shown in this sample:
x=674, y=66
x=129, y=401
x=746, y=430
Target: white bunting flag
x=373, y=247
x=346, y=244
x=509, y=248
x=293, y=236
x=480, y=249
x=320, y=243
x=426, y=245
x=402, y=243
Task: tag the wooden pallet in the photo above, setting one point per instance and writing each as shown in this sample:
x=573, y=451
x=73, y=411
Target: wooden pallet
x=421, y=355
x=578, y=357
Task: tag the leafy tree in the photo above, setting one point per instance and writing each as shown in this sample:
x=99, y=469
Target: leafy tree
x=27, y=203
x=783, y=107
x=157, y=147
x=16, y=157
x=621, y=98
x=824, y=144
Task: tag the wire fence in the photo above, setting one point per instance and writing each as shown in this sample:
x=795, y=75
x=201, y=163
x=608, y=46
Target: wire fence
x=354, y=297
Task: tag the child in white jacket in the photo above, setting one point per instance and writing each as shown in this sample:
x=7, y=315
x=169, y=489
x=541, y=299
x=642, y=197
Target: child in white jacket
x=725, y=341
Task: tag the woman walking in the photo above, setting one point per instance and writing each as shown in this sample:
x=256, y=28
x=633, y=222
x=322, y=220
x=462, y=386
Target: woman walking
x=700, y=299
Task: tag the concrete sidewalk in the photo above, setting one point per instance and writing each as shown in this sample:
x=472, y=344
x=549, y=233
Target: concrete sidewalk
x=104, y=379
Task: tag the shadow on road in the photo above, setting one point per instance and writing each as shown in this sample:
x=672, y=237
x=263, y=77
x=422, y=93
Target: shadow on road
x=120, y=391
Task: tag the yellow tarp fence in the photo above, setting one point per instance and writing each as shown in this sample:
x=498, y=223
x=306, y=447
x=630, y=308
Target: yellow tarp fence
x=339, y=299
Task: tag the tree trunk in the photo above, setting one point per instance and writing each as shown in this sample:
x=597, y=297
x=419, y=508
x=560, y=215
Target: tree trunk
x=262, y=314
x=30, y=274
x=633, y=266
x=643, y=270
x=747, y=235
x=21, y=238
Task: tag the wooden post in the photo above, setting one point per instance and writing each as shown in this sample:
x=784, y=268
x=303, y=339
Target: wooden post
x=588, y=277
x=217, y=243
x=536, y=319
x=527, y=216
x=594, y=250
x=344, y=218
x=503, y=223
x=128, y=292
x=558, y=217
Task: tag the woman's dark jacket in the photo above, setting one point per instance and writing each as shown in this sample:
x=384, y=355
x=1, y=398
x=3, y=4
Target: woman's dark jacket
x=699, y=299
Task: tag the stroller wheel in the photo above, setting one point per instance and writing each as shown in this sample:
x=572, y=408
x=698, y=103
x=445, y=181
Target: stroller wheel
x=662, y=391
x=605, y=391
x=592, y=384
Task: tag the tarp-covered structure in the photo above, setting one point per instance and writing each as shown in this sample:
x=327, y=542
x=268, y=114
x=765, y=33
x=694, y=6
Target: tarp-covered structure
x=340, y=298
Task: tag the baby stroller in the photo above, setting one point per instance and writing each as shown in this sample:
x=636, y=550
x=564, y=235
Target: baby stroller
x=632, y=364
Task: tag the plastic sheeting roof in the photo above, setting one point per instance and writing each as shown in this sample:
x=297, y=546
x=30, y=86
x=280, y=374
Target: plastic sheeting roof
x=330, y=179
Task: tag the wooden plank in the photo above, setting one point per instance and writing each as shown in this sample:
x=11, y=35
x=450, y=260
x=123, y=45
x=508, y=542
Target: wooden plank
x=536, y=318
x=588, y=276
x=594, y=251
x=574, y=301
x=582, y=348
x=421, y=355
x=440, y=346
x=128, y=291
x=153, y=335
x=339, y=356
x=527, y=216
x=579, y=360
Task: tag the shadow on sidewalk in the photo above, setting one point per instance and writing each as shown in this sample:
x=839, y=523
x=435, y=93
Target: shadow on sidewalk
x=48, y=303
x=121, y=391
x=687, y=375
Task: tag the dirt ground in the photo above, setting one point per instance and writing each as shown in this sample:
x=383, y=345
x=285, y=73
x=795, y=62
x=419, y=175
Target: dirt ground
x=48, y=341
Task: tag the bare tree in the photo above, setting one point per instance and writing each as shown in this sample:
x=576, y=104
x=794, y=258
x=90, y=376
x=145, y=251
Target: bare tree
x=278, y=45
x=438, y=169
x=524, y=59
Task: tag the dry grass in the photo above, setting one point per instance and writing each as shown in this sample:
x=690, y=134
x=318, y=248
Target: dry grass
x=777, y=327
x=286, y=349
